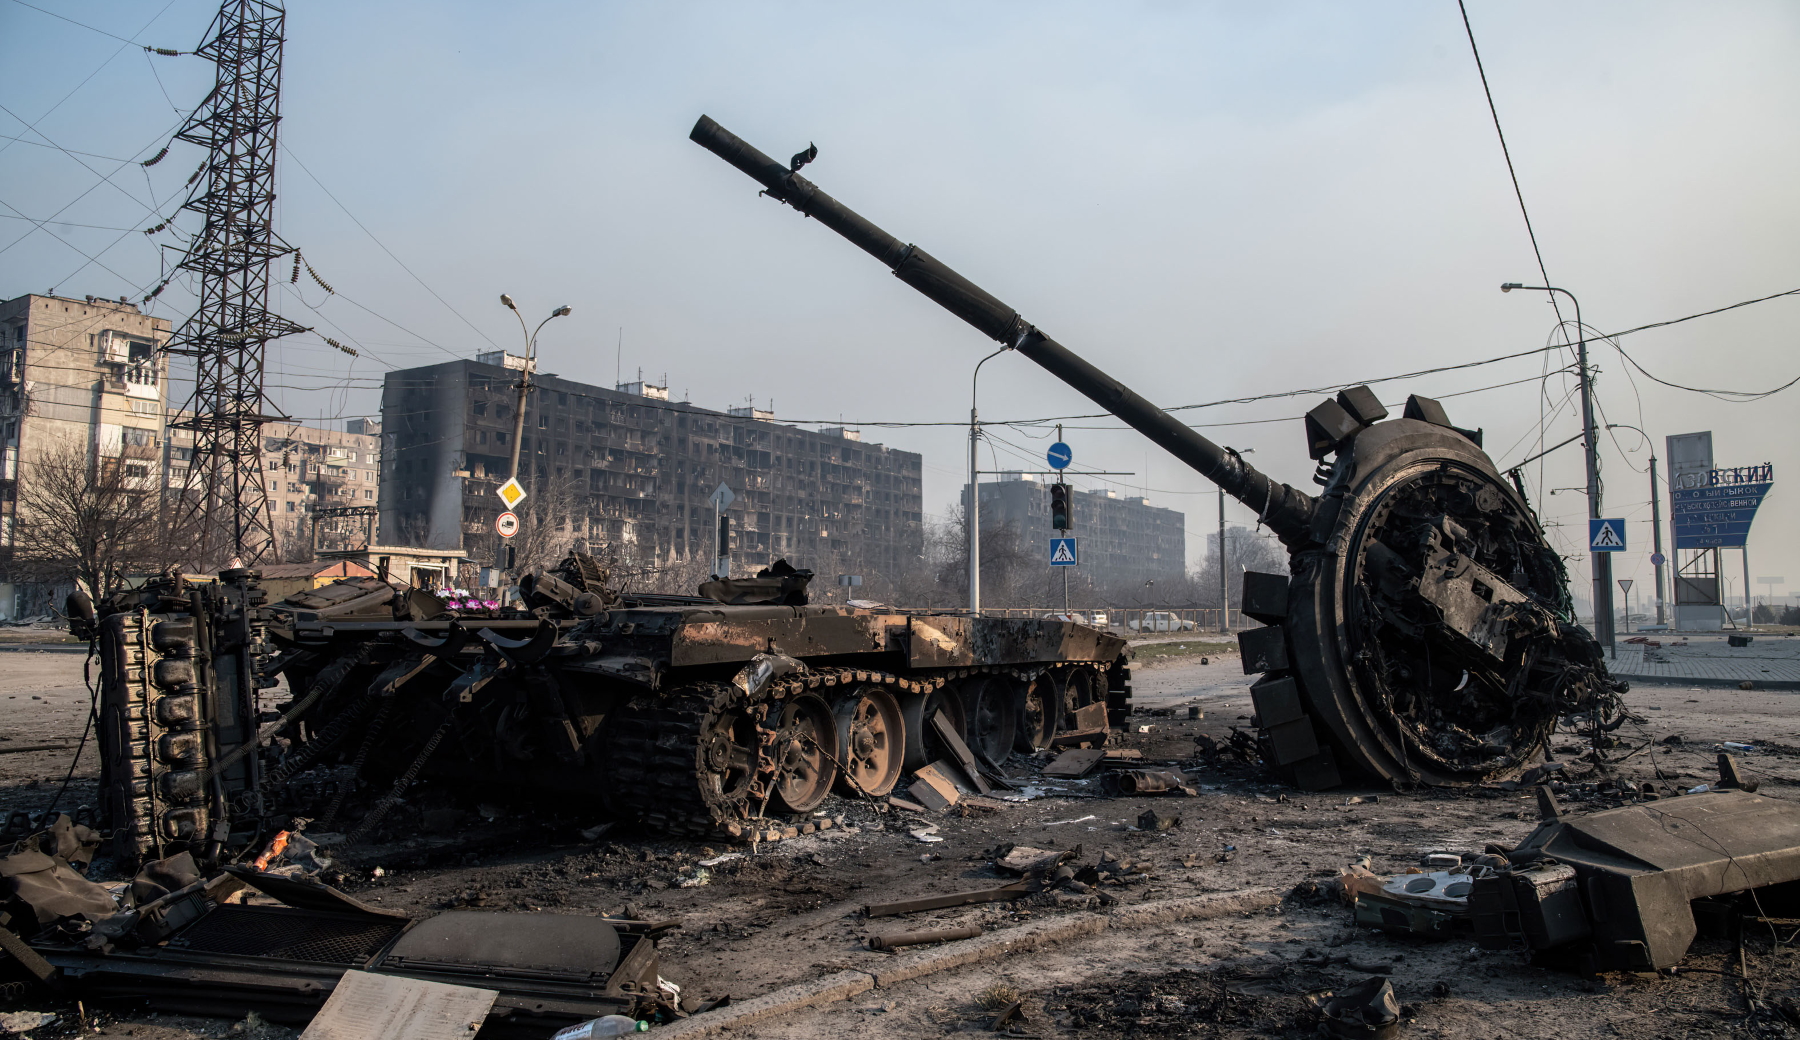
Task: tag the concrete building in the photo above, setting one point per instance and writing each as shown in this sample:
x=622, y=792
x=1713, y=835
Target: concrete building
x=78, y=377
x=634, y=472
x=1122, y=541
x=306, y=469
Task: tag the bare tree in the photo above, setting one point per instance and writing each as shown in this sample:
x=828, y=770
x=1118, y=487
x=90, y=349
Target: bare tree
x=1245, y=550
x=92, y=522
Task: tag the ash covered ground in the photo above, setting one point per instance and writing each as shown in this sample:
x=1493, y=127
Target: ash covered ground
x=789, y=911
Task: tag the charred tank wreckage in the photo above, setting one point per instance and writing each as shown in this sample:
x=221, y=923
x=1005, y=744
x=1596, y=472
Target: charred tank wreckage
x=731, y=714
x=1424, y=636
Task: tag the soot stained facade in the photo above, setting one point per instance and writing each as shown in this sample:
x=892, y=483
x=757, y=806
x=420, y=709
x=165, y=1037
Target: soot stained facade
x=634, y=472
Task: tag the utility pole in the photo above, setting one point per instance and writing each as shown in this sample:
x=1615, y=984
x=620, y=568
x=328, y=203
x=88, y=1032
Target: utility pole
x=973, y=513
x=1599, y=563
x=1655, y=516
x=524, y=385
x=226, y=503
x=1224, y=583
x=1656, y=535
x=1224, y=578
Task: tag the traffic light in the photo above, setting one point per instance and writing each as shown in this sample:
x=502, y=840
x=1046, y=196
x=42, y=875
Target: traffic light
x=1059, y=507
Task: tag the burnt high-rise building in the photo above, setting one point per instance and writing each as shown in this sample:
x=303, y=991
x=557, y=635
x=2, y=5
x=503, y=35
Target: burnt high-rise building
x=629, y=472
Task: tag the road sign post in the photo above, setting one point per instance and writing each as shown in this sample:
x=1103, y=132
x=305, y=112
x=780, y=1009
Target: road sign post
x=506, y=524
x=1062, y=552
x=1059, y=456
x=721, y=501
x=511, y=492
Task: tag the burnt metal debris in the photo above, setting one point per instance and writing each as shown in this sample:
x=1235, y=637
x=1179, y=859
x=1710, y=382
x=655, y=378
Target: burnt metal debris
x=1426, y=634
x=1629, y=889
x=692, y=715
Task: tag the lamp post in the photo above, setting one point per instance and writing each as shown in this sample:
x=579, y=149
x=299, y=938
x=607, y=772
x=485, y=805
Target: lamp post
x=1224, y=579
x=973, y=513
x=1655, y=519
x=524, y=384
x=1599, y=563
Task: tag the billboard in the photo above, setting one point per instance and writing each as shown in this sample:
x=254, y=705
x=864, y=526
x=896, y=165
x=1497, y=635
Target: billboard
x=1714, y=509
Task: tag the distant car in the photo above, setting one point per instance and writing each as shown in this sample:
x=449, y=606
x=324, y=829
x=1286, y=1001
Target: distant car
x=1077, y=618
x=1161, y=621
x=1098, y=619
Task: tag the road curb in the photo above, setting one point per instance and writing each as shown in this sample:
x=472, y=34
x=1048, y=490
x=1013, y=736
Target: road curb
x=1724, y=684
x=843, y=985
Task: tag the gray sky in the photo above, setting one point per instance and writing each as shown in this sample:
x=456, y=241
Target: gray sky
x=1207, y=200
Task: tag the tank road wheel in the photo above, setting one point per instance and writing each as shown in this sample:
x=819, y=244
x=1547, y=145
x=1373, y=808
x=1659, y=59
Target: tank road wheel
x=806, y=742
x=728, y=756
x=1081, y=687
x=993, y=707
x=916, y=710
x=872, y=737
x=1039, y=712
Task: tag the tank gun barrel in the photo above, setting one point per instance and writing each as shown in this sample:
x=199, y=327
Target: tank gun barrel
x=1286, y=510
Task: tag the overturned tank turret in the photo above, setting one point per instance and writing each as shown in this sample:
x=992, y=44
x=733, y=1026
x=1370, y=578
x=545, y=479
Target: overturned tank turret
x=1426, y=633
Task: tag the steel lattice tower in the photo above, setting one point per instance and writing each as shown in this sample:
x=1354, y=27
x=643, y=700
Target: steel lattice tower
x=226, y=506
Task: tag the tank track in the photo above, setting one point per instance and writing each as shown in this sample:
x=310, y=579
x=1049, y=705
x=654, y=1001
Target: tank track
x=654, y=768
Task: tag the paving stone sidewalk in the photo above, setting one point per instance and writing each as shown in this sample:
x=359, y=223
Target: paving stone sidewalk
x=1771, y=662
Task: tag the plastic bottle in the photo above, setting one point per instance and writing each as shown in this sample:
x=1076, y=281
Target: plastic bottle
x=609, y=1025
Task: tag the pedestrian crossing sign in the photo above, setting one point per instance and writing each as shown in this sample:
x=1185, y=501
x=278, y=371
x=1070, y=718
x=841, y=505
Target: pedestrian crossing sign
x=1062, y=552
x=1606, y=535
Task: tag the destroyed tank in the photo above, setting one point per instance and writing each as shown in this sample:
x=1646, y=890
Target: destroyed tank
x=1424, y=634
x=734, y=713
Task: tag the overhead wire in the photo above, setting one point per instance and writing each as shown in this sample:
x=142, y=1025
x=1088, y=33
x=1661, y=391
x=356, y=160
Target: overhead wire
x=391, y=255
x=102, y=66
x=1505, y=151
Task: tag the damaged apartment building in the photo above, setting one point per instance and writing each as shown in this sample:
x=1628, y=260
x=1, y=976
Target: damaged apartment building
x=634, y=472
x=82, y=383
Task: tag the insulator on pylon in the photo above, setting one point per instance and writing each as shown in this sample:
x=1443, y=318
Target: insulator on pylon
x=158, y=157
x=348, y=350
x=295, y=277
x=321, y=281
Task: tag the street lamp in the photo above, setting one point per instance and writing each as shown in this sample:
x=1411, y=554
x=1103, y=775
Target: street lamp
x=524, y=384
x=973, y=513
x=1656, y=559
x=1224, y=579
x=1599, y=563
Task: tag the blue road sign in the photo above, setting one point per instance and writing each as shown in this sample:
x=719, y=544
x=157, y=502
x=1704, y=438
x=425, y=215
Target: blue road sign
x=1062, y=552
x=1059, y=455
x=1606, y=534
x=1715, y=517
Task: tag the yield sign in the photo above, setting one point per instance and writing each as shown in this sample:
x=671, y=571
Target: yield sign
x=511, y=493
x=1625, y=584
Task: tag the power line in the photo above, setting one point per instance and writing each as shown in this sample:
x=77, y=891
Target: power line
x=1507, y=152
x=91, y=75
x=72, y=21
x=385, y=249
